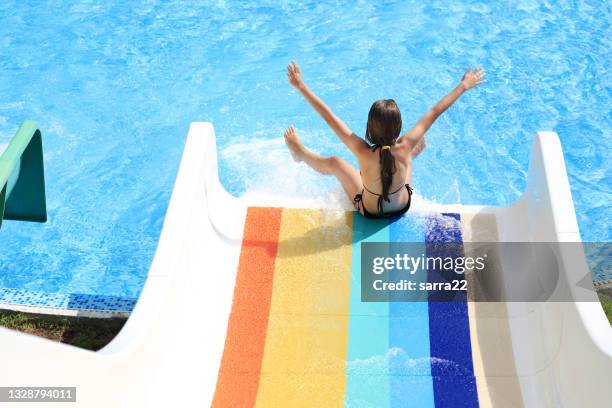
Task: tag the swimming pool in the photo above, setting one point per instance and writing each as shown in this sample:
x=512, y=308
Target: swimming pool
x=114, y=88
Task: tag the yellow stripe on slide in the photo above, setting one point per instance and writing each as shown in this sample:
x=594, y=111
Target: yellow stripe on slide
x=304, y=362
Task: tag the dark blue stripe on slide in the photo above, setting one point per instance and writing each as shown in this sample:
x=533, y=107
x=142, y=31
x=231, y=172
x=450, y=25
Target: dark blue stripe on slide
x=449, y=330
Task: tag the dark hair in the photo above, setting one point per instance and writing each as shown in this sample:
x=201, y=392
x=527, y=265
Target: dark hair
x=383, y=129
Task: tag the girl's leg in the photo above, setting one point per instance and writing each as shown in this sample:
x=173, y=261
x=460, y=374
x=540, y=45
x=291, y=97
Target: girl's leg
x=349, y=177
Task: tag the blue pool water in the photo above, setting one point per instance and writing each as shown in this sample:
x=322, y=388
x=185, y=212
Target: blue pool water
x=114, y=87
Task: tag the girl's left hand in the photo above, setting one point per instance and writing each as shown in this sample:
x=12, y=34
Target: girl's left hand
x=294, y=75
x=473, y=77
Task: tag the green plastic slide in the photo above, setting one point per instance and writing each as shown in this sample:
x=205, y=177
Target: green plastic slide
x=22, y=177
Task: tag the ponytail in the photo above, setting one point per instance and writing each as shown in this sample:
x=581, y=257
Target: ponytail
x=382, y=130
x=387, y=170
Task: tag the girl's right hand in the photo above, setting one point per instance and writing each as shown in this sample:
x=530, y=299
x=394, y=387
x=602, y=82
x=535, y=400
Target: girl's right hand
x=473, y=77
x=294, y=75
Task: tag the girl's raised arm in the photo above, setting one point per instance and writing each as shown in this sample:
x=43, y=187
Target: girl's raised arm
x=356, y=144
x=471, y=79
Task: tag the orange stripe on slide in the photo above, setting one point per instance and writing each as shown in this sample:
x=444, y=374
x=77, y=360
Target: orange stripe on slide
x=248, y=322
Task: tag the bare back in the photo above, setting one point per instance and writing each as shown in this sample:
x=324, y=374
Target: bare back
x=370, y=176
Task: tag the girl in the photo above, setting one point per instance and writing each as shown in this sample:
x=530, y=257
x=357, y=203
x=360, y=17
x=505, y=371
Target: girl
x=382, y=188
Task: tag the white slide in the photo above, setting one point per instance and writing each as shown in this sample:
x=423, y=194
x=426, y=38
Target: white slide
x=170, y=350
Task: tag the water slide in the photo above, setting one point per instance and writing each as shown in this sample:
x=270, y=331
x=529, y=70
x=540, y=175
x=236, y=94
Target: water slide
x=22, y=178
x=259, y=303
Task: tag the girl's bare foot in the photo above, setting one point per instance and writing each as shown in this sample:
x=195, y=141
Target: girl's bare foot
x=419, y=148
x=294, y=144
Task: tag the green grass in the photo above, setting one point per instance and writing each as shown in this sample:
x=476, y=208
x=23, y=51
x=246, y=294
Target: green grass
x=606, y=303
x=83, y=332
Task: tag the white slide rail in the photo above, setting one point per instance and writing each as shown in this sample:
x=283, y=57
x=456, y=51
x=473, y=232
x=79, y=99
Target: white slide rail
x=563, y=350
x=169, y=351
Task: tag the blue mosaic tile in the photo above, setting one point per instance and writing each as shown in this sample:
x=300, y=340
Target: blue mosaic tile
x=66, y=301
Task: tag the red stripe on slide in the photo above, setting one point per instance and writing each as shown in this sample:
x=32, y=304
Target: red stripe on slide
x=248, y=322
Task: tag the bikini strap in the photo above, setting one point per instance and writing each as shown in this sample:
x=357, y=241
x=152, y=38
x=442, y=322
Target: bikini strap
x=398, y=190
x=369, y=191
x=357, y=200
x=380, y=198
x=388, y=194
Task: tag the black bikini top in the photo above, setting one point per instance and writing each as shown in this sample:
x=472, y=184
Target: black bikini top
x=380, y=196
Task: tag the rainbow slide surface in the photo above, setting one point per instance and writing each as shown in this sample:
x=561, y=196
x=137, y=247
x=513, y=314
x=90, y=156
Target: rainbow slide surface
x=299, y=334
x=256, y=301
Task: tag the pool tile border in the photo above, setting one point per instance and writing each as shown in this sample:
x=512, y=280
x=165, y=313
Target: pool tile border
x=66, y=304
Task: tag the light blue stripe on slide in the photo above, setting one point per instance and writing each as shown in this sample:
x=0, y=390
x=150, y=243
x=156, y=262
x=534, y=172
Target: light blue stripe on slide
x=410, y=379
x=367, y=373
